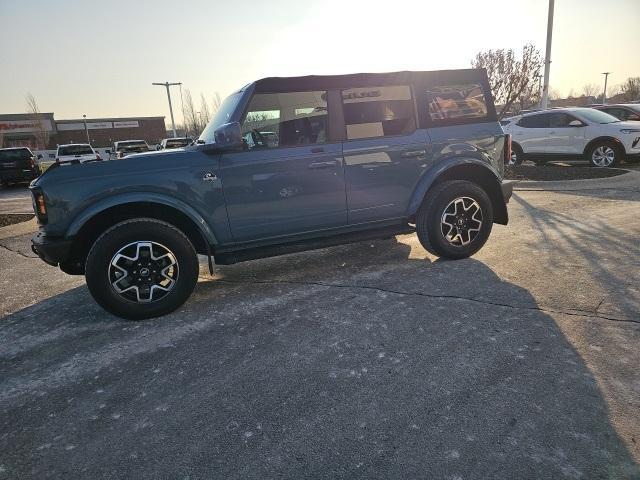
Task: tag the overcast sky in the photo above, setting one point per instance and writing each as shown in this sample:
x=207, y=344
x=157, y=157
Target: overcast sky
x=99, y=57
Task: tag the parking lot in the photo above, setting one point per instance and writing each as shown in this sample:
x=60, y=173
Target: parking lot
x=370, y=360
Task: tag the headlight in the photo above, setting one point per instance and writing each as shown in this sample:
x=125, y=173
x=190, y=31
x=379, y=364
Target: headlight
x=630, y=130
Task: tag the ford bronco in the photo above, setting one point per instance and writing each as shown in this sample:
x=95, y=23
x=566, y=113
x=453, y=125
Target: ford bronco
x=286, y=164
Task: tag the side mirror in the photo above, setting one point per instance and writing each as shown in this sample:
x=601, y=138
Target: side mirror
x=40, y=156
x=576, y=123
x=159, y=147
x=228, y=136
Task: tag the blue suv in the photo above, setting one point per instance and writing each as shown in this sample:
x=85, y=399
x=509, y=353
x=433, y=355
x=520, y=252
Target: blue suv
x=286, y=164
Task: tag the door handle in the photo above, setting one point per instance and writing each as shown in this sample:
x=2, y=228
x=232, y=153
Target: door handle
x=413, y=153
x=327, y=164
x=209, y=177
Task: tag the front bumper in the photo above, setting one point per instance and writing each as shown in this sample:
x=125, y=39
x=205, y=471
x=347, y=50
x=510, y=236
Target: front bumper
x=507, y=189
x=51, y=250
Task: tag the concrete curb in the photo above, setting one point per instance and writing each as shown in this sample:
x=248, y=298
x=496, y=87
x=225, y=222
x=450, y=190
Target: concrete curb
x=628, y=180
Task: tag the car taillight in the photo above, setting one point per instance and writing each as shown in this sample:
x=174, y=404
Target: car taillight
x=32, y=162
x=40, y=205
x=507, y=148
x=98, y=157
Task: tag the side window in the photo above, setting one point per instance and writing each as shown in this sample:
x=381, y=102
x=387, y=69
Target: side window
x=285, y=120
x=560, y=120
x=454, y=102
x=534, y=121
x=378, y=111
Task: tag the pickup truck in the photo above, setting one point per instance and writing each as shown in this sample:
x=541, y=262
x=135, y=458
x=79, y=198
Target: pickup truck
x=285, y=165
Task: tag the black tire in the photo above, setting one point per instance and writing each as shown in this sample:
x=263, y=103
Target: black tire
x=429, y=225
x=606, y=146
x=98, y=268
x=517, y=155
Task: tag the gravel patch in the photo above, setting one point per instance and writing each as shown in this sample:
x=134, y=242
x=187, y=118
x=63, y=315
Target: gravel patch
x=13, y=218
x=556, y=172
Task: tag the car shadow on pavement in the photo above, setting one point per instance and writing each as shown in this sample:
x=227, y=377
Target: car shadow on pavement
x=603, y=247
x=395, y=368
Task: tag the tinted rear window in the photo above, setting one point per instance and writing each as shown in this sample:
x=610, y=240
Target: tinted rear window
x=75, y=150
x=13, y=155
x=138, y=146
x=455, y=102
x=535, y=121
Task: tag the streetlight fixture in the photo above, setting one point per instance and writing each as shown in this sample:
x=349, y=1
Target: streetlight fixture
x=86, y=129
x=604, y=92
x=167, y=85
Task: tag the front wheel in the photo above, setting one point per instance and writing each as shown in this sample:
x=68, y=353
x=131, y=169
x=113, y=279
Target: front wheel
x=604, y=154
x=141, y=268
x=455, y=219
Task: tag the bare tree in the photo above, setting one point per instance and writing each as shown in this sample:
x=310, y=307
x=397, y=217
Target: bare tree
x=554, y=93
x=205, y=113
x=509, y=76
x=590, y=90
x=217, y=102
x=191, y=121
x=631, y=89
x=42, y=134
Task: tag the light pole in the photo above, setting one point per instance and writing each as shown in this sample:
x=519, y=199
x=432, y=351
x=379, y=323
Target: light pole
x=547, y=58
x=539, y=77
x=167, y=85
x=86, y=129
x=604, y=92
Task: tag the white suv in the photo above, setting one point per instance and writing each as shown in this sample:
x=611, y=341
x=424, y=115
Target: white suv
x=76, y=153
x=571, y=133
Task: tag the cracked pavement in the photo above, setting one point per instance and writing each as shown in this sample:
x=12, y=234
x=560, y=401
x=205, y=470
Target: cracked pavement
x=370, y=360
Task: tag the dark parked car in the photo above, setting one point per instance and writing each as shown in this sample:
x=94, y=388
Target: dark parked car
x=17, y=165
x=627, y=112
x=287, y=164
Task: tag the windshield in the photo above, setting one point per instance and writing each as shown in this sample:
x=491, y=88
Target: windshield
x=75, y=150
x=596, y=116
x=221, y=117
x=133, y=146
x=179, y=142
x=13, y=155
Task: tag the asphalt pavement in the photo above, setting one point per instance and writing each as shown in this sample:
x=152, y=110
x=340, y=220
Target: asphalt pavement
x=370, y=360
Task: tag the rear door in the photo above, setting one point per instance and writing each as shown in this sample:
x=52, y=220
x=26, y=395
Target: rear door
x=290, y=178
x=532, y=133
x=384, y=152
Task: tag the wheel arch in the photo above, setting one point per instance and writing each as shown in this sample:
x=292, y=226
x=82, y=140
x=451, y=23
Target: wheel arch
x=468, y=169
x=92, y=222
x=603, y=138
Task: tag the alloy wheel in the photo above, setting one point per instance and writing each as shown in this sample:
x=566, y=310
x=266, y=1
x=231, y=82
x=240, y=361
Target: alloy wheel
x=143, y=271
x=603, y=156
x=461, y=221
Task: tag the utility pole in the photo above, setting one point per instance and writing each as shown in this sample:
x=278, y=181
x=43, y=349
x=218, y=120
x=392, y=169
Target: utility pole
x=539, y=77
x=604, y=92
x=547, y=58
x=167, y=85
x=86, y=130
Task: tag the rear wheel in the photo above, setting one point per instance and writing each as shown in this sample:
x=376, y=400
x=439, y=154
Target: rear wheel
x=517, y=155
x=604, y=154
x=141, y=268
x=455, y=219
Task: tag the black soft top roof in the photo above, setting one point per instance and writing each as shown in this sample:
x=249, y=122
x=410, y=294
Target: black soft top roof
x=324, y=82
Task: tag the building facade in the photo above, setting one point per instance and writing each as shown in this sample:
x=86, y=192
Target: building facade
x=45, y=133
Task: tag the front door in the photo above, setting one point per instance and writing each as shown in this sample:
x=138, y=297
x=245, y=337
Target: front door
x=564, y=139
x=289, y=178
